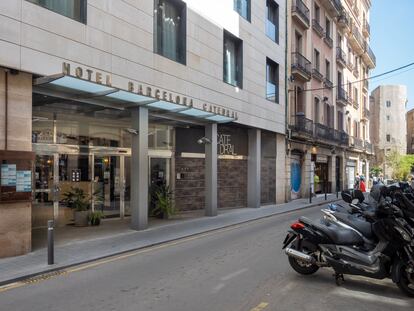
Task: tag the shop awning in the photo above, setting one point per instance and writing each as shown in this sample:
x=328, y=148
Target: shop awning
x=69, y=87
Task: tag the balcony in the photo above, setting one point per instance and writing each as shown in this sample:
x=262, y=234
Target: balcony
x=344, y=21
x=334, y=7
x=317, y=28
x=355, y=103
x=324, y=132
x=368, y=148
x=328, y=40
x=301, y=67
x=342, y=98
x=365, y=114
x=369, y=56
x=328, y=83
x=365, y=85
x=340, y=57
x=356, y=40
x=344, y=139
x=356, y=143
x=301, y=126
x=366, y=29
x=300, y=12
x=356, y=72
x=317, y=75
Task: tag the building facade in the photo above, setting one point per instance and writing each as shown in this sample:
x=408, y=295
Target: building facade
x=117, y=97
x=410, y=131
x=388, y=123
x=328, y=113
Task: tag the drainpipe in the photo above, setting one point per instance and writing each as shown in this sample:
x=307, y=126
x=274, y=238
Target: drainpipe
x=286, y=89
x=6, y=108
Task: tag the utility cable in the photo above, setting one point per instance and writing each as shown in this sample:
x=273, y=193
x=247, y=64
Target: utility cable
x=359, y=81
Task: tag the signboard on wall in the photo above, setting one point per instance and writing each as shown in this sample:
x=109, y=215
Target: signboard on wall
x=16, y=176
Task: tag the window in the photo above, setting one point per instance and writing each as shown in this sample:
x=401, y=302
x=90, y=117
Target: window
x=74, y=9
x=340, y=123
x=233, y=60
x=356, y=99
x=316, y=115
x=388, y=138
x=328, y=28
x=388, y=103
x=272, y=22
x=243, y=8
x=317, y=13
x=170, y=29
x=316, y=61
x=388, y=118
x=328, y=69
x=272, y=81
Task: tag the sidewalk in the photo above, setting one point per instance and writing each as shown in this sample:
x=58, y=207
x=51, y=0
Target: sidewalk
x=77, y=252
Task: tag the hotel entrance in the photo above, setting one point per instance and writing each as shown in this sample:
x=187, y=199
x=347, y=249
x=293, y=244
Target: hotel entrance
x=102, y=177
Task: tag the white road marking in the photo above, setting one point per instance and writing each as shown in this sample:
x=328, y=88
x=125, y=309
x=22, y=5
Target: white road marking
x=370, y=297
x=217, y=288
x=234, y=274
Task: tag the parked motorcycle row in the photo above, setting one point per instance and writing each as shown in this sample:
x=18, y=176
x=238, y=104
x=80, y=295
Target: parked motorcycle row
x=371, y=237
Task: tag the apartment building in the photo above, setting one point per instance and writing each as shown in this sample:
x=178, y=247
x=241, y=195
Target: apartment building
x=113, y=97
x=388, y=123
x=328, y=112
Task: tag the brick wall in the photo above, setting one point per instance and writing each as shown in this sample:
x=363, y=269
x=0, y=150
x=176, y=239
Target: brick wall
x=268, y=181
x=232, y=183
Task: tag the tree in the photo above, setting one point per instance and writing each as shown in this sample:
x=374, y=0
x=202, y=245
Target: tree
x=401, y=165
x=375, y=171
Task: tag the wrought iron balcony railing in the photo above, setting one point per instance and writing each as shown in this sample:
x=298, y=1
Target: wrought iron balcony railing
x=317, y=74
x=317, y=27
x=328, y=40
x=301, y=63
x=299, y=7
x=328, y=83
x=340, y=56
x=301, y=124
x=366, y=113
x=342, y=96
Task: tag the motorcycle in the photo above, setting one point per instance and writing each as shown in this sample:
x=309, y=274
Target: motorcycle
x=388, y=254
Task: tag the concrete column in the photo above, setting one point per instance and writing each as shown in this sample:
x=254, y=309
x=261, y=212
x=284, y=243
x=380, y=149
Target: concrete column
x=139, y=169
x=332, y=173
x=281, y=170
x=306, y=174
x=253, y=168
x=211, y=170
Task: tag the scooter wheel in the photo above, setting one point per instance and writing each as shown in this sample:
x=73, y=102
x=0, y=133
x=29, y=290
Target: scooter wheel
x=302, y=267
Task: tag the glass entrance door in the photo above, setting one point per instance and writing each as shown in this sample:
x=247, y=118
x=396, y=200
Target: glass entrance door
x=44, y=204
x=107, y=186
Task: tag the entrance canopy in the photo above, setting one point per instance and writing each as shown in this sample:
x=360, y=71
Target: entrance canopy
x=73, y=88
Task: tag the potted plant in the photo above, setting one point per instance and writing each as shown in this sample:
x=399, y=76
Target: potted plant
x=95, y=218
x=164, y=207
x=76, y=199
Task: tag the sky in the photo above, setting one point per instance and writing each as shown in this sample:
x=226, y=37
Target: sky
x=392, y=41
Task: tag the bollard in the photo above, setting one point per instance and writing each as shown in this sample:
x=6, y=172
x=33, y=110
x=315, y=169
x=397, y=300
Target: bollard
x=326, y=196
x=310, y=194
x=50, y=243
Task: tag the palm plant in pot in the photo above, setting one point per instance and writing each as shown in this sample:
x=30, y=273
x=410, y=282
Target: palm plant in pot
x=164, y=205
x=76, y=199
x=95, y=218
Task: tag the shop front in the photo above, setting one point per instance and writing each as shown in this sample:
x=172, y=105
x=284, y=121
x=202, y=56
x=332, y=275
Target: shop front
x=321, y=173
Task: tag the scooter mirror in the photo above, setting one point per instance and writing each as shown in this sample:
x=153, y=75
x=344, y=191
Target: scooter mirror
x=346, y=196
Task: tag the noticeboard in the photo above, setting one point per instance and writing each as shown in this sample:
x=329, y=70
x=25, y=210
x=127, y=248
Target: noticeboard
x=16, y=176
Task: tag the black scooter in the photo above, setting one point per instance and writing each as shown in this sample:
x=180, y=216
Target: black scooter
x=310, y=246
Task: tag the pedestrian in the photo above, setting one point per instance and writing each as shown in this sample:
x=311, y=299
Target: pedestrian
x=412, y=182
x=356, y=181
x=362, y=184
x=375, y=180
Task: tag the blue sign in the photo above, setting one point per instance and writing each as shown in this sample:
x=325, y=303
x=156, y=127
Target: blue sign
x=8, y=175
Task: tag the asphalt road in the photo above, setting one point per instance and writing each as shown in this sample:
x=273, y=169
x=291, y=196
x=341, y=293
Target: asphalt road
x=242, y=268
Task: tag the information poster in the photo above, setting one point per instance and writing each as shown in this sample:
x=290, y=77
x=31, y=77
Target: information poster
x=24, y=181
x=8, y=175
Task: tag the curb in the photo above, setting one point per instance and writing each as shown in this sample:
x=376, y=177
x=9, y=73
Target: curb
x=64, y=267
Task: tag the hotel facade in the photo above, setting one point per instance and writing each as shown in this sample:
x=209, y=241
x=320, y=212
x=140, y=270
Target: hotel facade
x=116, y=97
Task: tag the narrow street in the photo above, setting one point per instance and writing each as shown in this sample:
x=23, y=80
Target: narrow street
x=241, y=268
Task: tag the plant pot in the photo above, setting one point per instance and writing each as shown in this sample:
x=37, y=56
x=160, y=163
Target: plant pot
x=81, y=218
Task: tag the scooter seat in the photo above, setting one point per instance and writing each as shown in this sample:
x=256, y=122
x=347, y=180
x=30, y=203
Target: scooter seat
x=361, y=225
x=335, y=234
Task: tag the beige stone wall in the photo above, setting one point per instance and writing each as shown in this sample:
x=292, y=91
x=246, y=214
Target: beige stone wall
x=15, y=219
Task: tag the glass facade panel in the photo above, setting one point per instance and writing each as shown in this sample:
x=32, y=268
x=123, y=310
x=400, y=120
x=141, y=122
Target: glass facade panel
x=272, y=21
x=243, y=8
x=272, y=81
x=170, y=29
x=74, y=9
x=232, y=60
